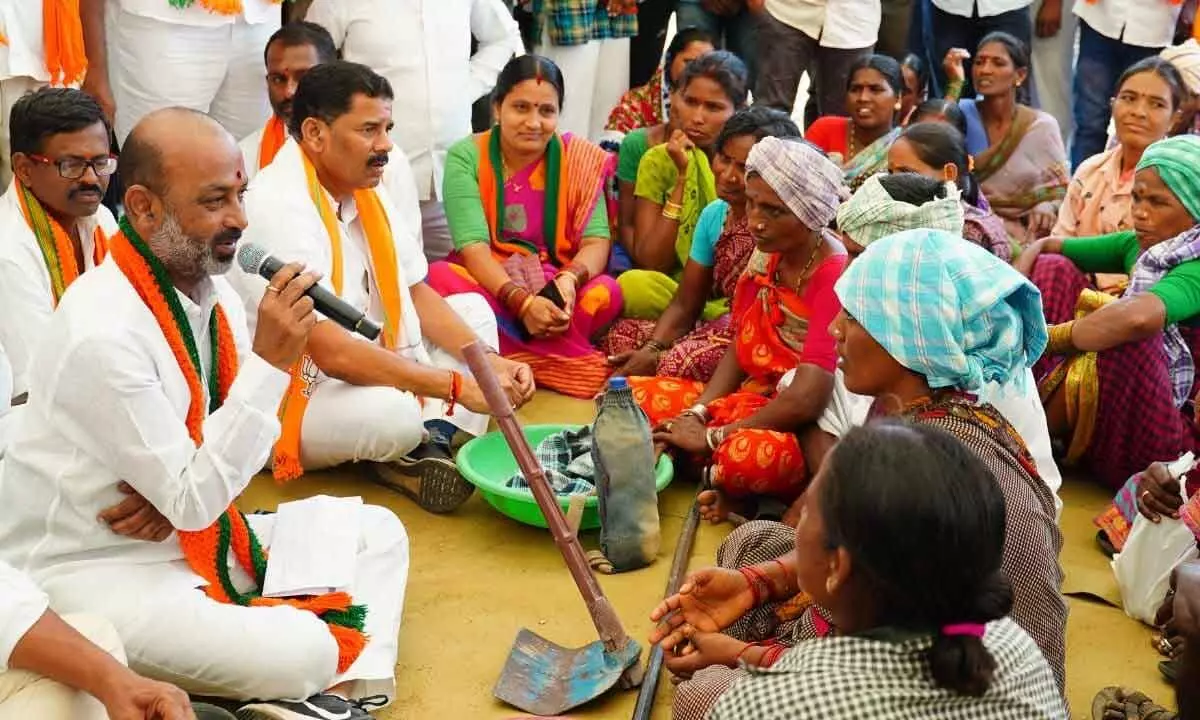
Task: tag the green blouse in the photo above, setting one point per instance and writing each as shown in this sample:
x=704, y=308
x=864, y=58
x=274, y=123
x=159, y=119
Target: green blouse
x=1118, y=252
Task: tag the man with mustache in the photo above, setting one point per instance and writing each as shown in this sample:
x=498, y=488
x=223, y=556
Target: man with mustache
x=51, y=221
x=291, y=52
x=424, y=49
x=398, y=402
x=153, y=381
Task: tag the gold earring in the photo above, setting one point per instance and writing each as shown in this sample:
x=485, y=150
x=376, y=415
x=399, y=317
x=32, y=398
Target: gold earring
x=899, y=105
x=830, y=585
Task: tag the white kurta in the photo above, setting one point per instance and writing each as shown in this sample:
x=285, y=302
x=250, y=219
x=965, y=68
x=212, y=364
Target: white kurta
x=8, y=414
x=160, y=55
x=109, y=404
x=26, y=297
x=347, y=423
x=423, y=48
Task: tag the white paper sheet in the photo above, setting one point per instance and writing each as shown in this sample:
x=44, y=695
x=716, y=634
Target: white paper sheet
x=314, y=547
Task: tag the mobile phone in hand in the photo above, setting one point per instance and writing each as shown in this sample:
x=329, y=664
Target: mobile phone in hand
x=554, y=295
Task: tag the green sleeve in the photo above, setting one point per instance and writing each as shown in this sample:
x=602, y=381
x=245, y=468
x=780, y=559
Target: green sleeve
x=656, y=175
x=598, y=224
x=460, y=195
x=633, y=148
x=1112, y=253
x=1179, y=291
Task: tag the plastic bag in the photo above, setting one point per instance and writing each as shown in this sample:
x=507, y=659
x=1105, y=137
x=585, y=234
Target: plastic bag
x=1153, y=550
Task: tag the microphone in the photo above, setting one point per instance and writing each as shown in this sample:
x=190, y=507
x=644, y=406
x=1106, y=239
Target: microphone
x=255, y=260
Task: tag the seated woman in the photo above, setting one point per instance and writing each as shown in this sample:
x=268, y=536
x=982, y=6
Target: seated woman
x=859, y=143
x=889, y=204
x=1020, y=161
x=643, y=118
x=530, y=227
x=901, y=542
x=721, y=246
x=647, y=107
x=918, y=359
x=1149, y=96
x=936, y=150
x=1118, y=373
x=675, y=182
x=916, y=86
x=758, y=442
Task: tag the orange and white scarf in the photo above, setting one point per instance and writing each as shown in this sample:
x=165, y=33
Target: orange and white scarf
x=384, y=264
x=62, y=36
x=58, y=251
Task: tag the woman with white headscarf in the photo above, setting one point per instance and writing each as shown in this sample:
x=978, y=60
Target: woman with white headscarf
x=1186, y=59
x=757, y=444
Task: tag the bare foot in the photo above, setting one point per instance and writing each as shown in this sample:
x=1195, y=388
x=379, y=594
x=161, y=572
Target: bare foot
x=715, y=507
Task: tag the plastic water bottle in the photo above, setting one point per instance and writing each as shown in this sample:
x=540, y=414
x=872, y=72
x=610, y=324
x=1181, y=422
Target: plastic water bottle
x=623, y=450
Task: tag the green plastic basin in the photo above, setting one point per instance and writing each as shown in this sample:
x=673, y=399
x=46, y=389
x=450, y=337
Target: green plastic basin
x=487, y=463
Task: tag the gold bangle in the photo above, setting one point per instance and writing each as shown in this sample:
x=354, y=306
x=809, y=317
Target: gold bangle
x=672, y=213
x=1059, y=342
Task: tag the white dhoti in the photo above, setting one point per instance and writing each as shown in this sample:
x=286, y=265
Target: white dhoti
x=173, y=632
x=597, y=74
x=217, y=70
x=348, y=423
x=25, y=695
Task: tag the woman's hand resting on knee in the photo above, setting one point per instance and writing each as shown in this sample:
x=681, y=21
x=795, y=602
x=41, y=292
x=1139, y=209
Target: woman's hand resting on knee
x=710, y=600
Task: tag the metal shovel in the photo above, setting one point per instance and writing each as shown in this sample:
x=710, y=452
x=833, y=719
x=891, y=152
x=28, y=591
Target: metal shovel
x=541, y=677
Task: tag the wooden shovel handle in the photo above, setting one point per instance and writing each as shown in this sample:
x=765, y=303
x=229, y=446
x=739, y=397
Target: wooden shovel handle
x=607, y=624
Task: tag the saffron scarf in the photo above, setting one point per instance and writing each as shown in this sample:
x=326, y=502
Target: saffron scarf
x=207, y=551
x=55, y=243
x=384, y=264
x=273, y=137
x=62, y=38
x=217, y=7
x=575, y=175
x=771, y=321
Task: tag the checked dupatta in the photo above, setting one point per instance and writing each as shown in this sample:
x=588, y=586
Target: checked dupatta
x=207, y=550
x=1151, y=266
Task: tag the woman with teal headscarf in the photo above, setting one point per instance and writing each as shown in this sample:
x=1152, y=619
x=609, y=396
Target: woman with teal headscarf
x=928, y=320
x=1118, y=375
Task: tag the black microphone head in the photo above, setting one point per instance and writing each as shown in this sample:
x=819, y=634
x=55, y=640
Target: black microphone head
x=250, y=257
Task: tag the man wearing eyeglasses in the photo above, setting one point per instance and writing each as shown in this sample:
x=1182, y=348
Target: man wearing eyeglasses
x=52, y=225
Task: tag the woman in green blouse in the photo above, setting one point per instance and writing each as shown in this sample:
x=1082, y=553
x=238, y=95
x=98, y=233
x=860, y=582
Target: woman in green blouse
x=1118, y=374
x=675, y=182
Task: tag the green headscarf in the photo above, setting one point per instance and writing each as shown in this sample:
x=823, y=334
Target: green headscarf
x=1177, y=160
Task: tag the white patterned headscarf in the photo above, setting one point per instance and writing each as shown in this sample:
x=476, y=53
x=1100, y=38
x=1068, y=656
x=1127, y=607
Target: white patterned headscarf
x=1186, y=59
x=872, y=213
x=803, y=178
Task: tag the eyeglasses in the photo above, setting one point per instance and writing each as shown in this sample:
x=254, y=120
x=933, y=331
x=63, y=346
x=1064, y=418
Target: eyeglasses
x=75, y=168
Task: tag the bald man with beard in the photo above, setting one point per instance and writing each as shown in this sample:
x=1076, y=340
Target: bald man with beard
x=155, y=382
